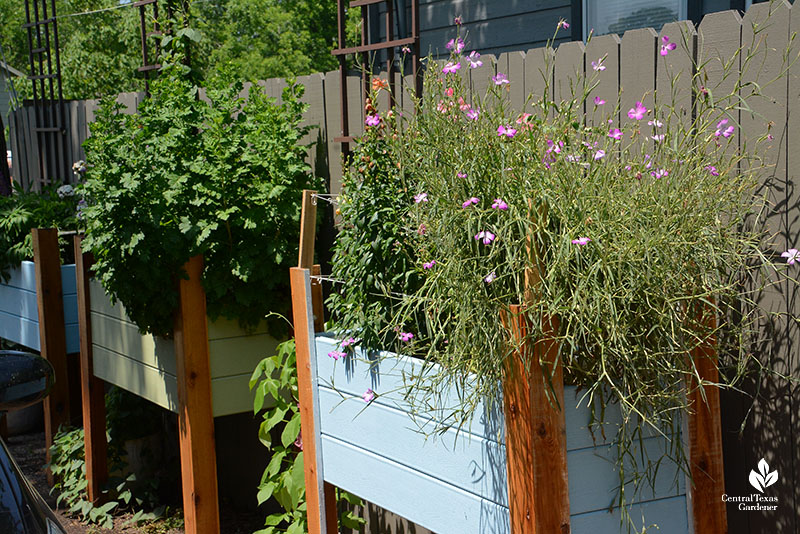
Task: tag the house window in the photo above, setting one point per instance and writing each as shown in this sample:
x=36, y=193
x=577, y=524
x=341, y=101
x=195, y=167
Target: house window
x=618, y=16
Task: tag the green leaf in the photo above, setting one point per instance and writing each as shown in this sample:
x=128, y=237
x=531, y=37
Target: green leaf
x=291, y=431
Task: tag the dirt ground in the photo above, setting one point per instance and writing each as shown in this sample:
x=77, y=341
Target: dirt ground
x=29, y=452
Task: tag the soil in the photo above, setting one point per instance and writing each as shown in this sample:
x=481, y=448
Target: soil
x=29, y=452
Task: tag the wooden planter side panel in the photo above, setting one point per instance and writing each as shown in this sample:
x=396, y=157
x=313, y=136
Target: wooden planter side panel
x=19, y=315
x=379, y=453
x=145, y=365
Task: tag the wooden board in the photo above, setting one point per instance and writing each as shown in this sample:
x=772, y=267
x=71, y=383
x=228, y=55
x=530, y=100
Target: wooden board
x=465, y=467
x=145, y=365
x=19, y=312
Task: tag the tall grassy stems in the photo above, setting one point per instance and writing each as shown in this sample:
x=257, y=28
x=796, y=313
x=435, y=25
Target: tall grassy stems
x=626, y=232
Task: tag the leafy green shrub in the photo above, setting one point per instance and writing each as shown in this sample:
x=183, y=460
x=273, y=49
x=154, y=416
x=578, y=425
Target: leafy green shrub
x=275, y=384
x=373, y=251
x=186, y=176
x=54, y=207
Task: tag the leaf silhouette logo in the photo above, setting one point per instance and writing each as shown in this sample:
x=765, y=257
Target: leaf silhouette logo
x=763, y=478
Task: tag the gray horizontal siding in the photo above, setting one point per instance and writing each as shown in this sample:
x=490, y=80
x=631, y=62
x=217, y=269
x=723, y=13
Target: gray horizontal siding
x=490, y=26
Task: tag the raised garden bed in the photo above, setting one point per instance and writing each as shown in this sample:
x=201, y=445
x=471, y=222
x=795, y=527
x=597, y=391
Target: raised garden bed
x=398, y=461
x=19, y=311
x=146, y=365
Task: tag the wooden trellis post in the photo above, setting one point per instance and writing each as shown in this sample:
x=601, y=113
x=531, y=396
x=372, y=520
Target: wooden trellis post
x=92, y=388
x=195, y=414
x=307, y=315
x=52, y=336
x=707, y=513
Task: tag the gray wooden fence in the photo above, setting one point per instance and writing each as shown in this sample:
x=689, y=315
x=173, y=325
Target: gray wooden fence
x=635, y=71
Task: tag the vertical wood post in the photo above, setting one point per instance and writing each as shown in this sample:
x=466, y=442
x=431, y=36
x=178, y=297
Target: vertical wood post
x=52, y=336
x=705, y=441
x=92, y=391
x=307, y=312
x=536, y=442
x=195, y=415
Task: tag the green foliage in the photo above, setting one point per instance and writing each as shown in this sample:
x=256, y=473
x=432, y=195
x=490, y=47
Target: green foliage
x=625, y=237
x=123, y=493
x=276, y=395
x=373, y=250
x=184, y=176
x=99, y=52
x=262, y=39
x=23, y=211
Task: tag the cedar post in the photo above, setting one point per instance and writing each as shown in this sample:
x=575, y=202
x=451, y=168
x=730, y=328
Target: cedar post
x=52, y=336
x=92, y=390
x=195, y=415
x=307, y=312
x=536, y=442
x=705, y=439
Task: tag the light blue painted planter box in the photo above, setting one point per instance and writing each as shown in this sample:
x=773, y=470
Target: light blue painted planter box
x=456, y=483
x=19, y=311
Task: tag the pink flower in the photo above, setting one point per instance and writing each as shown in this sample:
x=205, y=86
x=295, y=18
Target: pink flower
x=598, y=65
x=508, y=131
x=449, y=91
x=581, y=241
x=792, y=256
x=486, y=236
x=660, y=173
x=405, y=337
x=373, y=120
x=458, y=21
x=658, y=138
x=499, y=204
x=336, y=354
x=500, y=79
x=421, y=197
x=489, y=278
x=667, y=46
x=470, y=201
x=655, y=122
x=474, y=60
x=422, y=229
x=600, y=154
x=406, y=49
x=349, y=341
x=598, y=101
x=299, y=441
x=562, y=24
x=451, y=67
x=429, y=265
x=456, y=44
x=712, y=170
x=368, y=395
x=461, y=175
x=727, y=132
x=615, y=133
x=472, y=114
x=637, y=112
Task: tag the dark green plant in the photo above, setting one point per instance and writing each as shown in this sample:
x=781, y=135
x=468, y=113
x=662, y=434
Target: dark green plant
x=54, y=207
x=275, y=384
x=373, y=251
x=123, y=492
x=220, y=176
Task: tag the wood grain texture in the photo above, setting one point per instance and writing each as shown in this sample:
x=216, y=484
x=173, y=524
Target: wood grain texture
x=535, y=432
x=195, y=412
x=321, y=507
x=92, y=390
x=52, y=336
x=308, y=229
x=705, y=441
